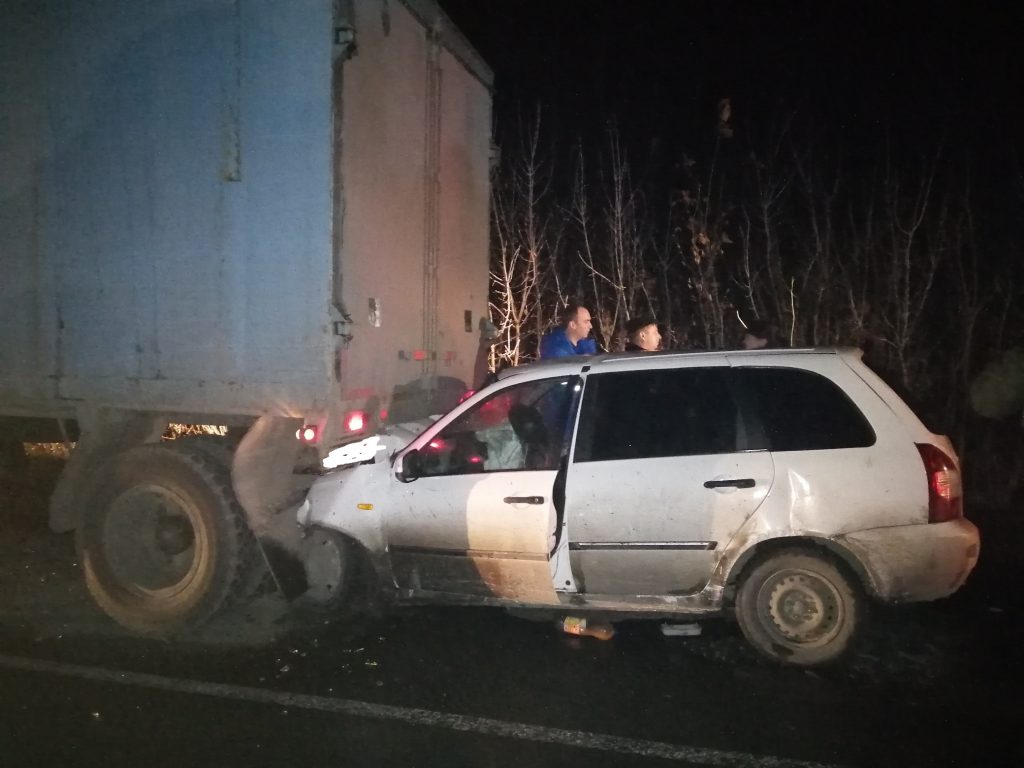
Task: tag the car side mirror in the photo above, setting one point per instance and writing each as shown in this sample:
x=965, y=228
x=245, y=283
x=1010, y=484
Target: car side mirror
x=412, y=466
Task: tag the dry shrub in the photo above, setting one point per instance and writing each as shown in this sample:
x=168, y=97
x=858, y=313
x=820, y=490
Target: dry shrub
x=174, y=431
x=48, y=450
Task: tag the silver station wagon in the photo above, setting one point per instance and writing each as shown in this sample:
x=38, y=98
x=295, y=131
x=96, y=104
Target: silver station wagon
x=789, y=487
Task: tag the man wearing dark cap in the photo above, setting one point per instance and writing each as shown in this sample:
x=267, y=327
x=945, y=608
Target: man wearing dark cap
x=642, y=334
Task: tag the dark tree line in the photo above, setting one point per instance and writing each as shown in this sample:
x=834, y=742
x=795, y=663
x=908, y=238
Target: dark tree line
x=893, y=249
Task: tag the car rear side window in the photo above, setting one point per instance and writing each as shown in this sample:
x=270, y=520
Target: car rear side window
x=800, y=410
x=652, y=413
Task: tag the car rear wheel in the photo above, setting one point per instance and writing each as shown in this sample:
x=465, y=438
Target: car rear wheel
x=799, y=607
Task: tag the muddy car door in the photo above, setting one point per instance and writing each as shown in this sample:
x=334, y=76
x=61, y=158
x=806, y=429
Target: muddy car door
x=475, y=515
x=661, y=478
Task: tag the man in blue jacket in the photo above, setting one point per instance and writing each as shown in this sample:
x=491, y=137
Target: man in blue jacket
x=568, y=339
x=571, y=335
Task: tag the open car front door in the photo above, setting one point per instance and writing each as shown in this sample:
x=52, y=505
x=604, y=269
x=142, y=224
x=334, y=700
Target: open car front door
x=478, y=520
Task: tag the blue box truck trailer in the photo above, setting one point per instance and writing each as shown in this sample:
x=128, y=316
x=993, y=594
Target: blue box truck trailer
x=261, y=214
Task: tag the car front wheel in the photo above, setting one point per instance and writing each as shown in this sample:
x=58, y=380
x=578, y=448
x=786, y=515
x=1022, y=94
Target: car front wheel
x=798, y=607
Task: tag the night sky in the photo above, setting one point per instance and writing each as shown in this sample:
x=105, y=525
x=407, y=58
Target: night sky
x=918, y=74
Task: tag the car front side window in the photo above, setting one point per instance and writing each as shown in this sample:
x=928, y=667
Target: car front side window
x=521, y=427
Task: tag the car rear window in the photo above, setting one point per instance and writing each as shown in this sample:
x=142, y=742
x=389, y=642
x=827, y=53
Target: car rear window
x=653, y=413
x=800, y=410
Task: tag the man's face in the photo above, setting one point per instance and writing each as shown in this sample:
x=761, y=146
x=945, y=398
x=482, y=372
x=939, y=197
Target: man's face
x=648, y=338
x=580, y=327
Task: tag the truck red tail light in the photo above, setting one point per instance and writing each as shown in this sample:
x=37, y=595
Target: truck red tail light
x=355, y=421
x=945, y=491
x=308, y=433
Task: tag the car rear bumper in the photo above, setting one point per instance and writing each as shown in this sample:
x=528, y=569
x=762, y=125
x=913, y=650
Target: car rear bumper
x=910, y=563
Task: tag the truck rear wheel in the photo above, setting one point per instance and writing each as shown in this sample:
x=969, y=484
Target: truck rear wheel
x=162, y=541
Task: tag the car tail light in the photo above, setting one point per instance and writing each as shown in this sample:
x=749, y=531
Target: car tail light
x=466, y=395
x=308, y=433
x=945, y=492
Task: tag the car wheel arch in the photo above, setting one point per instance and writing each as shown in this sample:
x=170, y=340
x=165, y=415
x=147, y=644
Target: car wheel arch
x=365, y=533
x=757, y=550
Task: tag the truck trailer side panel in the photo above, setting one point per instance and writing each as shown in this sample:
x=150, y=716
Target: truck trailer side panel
x=166, y=205
x=256, y=213
x=167, y=224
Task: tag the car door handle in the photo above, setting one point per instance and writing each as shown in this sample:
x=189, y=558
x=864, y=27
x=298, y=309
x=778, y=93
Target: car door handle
x=739, y=482
x=524, y=499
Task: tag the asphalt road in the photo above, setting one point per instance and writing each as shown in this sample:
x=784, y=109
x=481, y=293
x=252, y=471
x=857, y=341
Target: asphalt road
x=931, y=685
